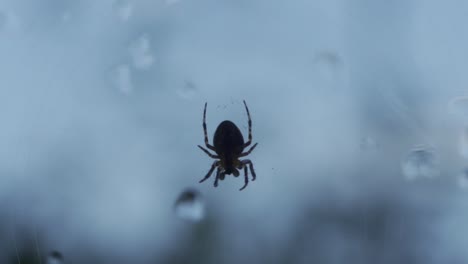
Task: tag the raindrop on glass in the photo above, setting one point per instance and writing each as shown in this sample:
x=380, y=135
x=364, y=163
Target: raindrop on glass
x=123, y=9
x=55, y=257
x=190, y=206
x=140, y=51
x=462, y=180
x=188, y=90
x=463, y=143
x=66, y=16
x=421, y=162
x=459, y=106
x=9, y=21
x=368, y=143
x=3, y=20
x=122, y=78
x=327, y=65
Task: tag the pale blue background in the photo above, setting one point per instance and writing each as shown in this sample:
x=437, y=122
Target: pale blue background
x=101, y=108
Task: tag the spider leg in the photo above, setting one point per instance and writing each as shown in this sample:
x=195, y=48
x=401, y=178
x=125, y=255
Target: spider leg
x=246, y=173
x=249, y=162
x=209, y=154
x=204, y=131
x=215, y=164
x=250, y=127
x=218, y=174
x=248, y=152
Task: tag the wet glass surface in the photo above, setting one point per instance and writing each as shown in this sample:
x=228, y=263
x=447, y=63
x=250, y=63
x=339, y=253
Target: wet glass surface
x=360, y=111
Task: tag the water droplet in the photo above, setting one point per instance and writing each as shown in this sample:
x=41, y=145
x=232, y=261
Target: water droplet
x=190, y=206
x=188, y=90
x=55, y=257
x=421, y=162
x=122, y=78
x=140, y=50
x=459, y=106
x=66, y=16
x=463, y=145
x=123, y=9
x=368, y=143
x=462, y=180
x=327, y=65
x=3, y=20
x=9, y=21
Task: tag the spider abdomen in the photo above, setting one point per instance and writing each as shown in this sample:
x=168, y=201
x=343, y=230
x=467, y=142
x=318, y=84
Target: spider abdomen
x=228, y=139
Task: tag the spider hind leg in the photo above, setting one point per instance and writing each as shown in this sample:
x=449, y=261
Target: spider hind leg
x=249, y=162
x=246, y=174
x=219, y=176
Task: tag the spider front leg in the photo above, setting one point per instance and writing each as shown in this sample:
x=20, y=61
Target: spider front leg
x=248, y=152
x=250, y=126
x=213, y=166
x=204, y=131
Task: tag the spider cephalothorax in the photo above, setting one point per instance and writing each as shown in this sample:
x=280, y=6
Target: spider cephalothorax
x=229, y=146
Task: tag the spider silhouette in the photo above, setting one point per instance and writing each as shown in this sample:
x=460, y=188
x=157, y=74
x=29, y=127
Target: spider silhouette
x=229, y=146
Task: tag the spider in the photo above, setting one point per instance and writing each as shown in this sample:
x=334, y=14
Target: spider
x=229, y=146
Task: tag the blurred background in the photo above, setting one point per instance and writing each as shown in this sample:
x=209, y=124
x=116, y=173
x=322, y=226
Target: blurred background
x=359, y=109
